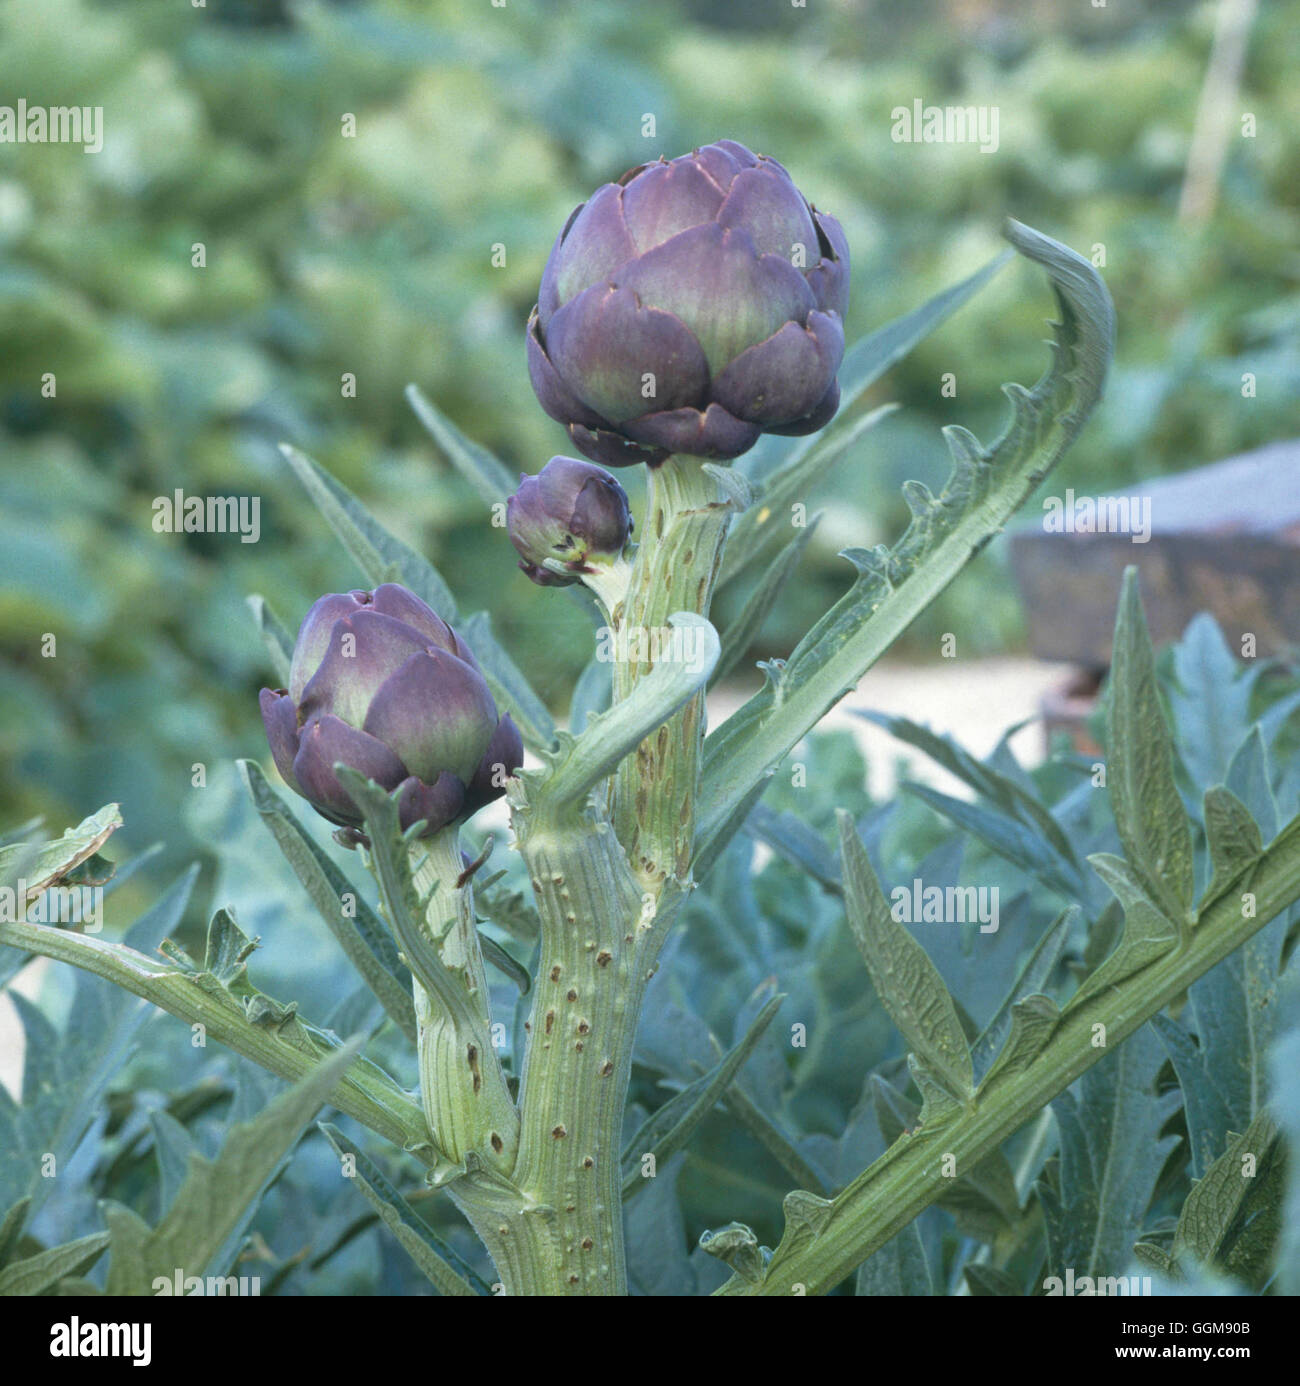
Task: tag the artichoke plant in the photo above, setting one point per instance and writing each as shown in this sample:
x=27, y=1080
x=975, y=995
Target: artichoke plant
x=690, y=307
x=380, y=683
x=569, y=520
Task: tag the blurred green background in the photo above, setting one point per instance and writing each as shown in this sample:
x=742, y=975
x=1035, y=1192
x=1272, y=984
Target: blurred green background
x=479, y=126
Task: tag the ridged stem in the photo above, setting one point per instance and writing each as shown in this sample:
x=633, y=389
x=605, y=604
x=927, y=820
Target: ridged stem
x=597, y=932
x=675, y=569
x=464, y=1091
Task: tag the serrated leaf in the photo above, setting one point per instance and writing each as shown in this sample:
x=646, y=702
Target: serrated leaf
x=358, y=930
x=1148, y=932
x=449, y=1274
x=668, y=1129
x=871, y=356
x=1149, y=813
x=45, y=864
x=741, y=632
x=219, y=1196
x=37, y=1274
x=1033, y=1020
x=484, y=471
x=1217, y=1200
x=1249, y=779
x=906, y=981
x=512, y=691
x=983, y=1200
x=290, y=1048
x=275, y=636
x=984, y=489
x=1018, y=843
x=1233, y=837
x=1111, y=1157
x=11, y=1229
x=172, y=1148
x=1220, y=1044
x=1030, y=981
x=65, y=1075
x=379, y=555
x=900, y=1267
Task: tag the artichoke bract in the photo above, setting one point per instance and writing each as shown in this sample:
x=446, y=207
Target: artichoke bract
x=691, y=306
x=380, y=683
x=570, y=514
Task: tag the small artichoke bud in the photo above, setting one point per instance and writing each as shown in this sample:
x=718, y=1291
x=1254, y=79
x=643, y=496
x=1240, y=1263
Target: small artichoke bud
x=690, y=307
x=569, y=521
x=380, y=683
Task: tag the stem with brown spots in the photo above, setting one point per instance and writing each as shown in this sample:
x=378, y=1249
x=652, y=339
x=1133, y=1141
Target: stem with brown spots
x=587, y=998
x=675, y=569
x=466, y=1100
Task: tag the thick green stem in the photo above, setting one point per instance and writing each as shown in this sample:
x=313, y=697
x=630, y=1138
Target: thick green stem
x=676, y=566
x=466, y=1100
x=913, y=1172
x=596, y=936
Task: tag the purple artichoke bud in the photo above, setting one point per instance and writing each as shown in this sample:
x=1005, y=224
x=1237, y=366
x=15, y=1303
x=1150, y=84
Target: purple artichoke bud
x=691, y=306
x=381, y=683
x=572, y=513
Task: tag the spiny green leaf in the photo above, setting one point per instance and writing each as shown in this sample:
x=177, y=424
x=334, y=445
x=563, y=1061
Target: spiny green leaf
x=985, y=488
x=983, y=1200
x=449, y=1274
x=484, y=471
x=379, y=555
x=1111, y=1157
x=512, y=691
x=279, y=643
x=906, y=981
x=219, y=1196
x=1216, y=1201
x=668, y=1130
x=65, y=1075
x=50, y=862
x=1032, y=978
x=1033, y=1020
x=1148, y=811
x=348, y=917
x=1148, y=932
x=37, y=1274
x=741, y=633
x=11, y=1228
x=1233, y=837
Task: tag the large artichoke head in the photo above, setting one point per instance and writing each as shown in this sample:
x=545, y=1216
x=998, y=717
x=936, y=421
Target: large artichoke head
x=690, y=307
x=382, y=684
